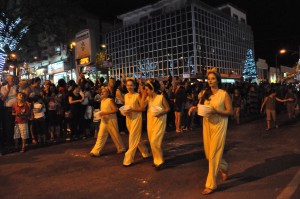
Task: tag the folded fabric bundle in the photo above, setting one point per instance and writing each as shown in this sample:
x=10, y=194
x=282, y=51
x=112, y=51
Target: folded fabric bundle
x=204, y=110
x=155, y=110
x=124, y=109
x=97, y=116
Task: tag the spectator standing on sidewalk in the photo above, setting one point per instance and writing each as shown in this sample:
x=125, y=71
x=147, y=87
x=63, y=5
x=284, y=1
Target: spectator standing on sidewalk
x=75, y=100
x=119, y=100
x=179, y=100
x=9, y=97
x=134, y=123
x=290, y=105
x=215, y=128
x=108, y=125
x=39, y=122
x=253, y=101
x=270, y=102
x=236, y=103
x=21, y=111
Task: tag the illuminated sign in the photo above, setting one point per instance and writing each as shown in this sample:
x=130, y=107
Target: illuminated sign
x=83, y=48
x=56, y=68
x=40, y=71
x=84, y=60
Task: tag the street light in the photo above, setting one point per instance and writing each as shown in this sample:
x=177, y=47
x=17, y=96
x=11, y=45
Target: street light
x=72, y=45
x=283, y=51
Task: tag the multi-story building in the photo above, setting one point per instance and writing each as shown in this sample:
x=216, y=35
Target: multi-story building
x=180, y=37
x=262, y=70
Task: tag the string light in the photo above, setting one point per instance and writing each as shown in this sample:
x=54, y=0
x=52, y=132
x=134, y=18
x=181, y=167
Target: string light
x=6, y=36
x=249, y=71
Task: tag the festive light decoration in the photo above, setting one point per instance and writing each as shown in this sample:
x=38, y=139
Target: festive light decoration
x=7, y=27
x=2, y=62
x=249, y=71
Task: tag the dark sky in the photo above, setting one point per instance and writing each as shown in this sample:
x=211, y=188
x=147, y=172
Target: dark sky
x=275, y=23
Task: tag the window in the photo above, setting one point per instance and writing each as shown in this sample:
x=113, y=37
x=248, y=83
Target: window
x=235, y=17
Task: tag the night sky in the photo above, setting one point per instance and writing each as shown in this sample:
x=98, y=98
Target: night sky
x=275, y=23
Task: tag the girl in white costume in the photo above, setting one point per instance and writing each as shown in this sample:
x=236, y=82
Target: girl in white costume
x=108, y=125
x=134, y=123
x=156, y=123
x=215, y=128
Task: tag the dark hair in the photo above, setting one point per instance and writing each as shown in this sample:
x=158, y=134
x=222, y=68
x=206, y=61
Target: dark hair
x=61, y=83
x=36, y=98
x=272, y=91
x=71, y=82
x=208, y=92
x=23, y=95
x=131, y=80
x=37, y=79
x=153, y=85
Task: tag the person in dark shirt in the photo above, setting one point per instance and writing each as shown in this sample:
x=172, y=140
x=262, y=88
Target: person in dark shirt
x=180, y=97
x=75, y=100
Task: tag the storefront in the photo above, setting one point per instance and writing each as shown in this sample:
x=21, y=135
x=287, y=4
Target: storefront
x=59, y=70
x=42, y=73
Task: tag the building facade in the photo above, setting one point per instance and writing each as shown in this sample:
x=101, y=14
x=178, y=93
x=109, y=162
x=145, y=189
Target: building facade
x=262, y=70
x=179, y=37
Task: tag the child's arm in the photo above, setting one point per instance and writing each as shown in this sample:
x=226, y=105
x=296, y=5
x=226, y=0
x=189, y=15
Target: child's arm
x=281, y=100
x=263, y=104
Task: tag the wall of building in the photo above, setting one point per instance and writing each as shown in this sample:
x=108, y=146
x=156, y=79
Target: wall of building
x=262, y=70
x=183, y=39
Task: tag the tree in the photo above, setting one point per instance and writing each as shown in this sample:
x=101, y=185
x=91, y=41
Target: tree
x=49, y=23
x=12, y=30
x=249, y=71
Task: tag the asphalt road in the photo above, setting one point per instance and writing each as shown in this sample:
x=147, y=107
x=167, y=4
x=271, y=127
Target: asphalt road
x=261, y=165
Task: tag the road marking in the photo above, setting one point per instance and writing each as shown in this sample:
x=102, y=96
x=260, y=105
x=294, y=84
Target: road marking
x=289, y=190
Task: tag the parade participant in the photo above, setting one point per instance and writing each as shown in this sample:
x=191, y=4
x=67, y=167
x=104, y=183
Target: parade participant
x=156, y=123
x=134, y=123
x=108, y=125
x=21, y=111
x=214, y=128
x=270, y=102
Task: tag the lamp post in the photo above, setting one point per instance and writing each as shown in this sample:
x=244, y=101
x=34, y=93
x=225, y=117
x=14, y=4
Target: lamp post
x=284, y=51
x=72, y=45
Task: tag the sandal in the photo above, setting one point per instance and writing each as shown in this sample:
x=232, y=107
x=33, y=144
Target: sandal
x=207, y=191
x=93, y=155
x=224, y=174
x=34, y=141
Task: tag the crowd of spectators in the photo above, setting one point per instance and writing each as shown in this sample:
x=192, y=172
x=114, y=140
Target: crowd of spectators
x=65, y=111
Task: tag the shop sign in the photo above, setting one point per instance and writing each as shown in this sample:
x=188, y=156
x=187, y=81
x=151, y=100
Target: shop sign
x=56, y=68
x=84, y=61
x=40, y=71
x=186, y=76
x=83, y=47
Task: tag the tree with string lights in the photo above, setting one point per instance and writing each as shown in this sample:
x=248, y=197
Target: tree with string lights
x=11, y=32
x=249, y=71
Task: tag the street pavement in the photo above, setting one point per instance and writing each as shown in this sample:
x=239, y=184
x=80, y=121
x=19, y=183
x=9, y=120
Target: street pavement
x=262, y=164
